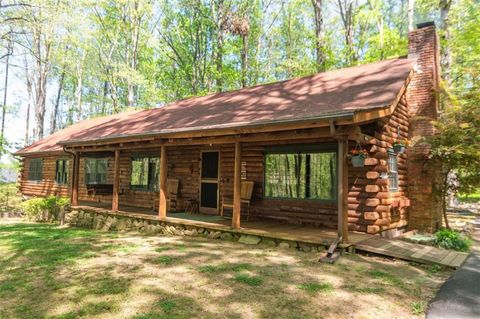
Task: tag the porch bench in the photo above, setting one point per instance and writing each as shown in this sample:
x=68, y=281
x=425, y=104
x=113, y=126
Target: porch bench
x=99, y=189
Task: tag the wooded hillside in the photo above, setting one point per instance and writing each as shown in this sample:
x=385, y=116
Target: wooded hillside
x=81, y=59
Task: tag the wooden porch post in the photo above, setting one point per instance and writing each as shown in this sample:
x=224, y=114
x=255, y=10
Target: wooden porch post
x=237, y=185
x=116, y=180
x=342, y=201
x=162, y=209
x=75, y=177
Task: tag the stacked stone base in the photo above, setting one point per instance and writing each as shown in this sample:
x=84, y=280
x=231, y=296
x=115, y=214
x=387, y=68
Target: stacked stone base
x=107, y=221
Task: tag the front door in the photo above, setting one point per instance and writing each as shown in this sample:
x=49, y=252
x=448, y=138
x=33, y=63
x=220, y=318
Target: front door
x=209, y=182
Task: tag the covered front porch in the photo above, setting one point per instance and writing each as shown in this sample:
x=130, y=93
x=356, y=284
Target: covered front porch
x=309, y=199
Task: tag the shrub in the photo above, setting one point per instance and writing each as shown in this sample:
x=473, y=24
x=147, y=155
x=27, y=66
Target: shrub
x=44, y=209
x=451, y=239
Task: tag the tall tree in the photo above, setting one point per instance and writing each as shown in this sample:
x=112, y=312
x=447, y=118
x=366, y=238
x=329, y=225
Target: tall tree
x=319, y=36
x=411, y=15
x=446, y=56
x=5, y=92
x=347, y=12
x=220, y=21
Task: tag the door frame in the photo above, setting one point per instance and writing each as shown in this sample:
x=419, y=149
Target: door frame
x=209, y=210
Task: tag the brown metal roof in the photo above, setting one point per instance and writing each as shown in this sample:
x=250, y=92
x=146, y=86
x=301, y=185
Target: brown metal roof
x=330, y=94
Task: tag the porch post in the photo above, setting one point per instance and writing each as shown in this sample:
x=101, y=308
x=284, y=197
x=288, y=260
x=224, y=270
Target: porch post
x=237, y=185
x=162, y=209
x=342, y=200
x=116, y=180
x=75, y=177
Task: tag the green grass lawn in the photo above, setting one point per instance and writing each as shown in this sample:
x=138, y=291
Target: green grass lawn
x=53, y=272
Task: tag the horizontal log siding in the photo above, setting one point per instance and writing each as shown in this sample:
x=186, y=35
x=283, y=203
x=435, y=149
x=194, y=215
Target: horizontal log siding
x=370, y=202
x=47, y=186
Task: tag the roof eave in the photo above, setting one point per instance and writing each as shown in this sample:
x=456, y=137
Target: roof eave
x=238, y=128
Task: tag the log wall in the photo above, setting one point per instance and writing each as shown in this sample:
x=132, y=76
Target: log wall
x=47, y=186
x=372, y=206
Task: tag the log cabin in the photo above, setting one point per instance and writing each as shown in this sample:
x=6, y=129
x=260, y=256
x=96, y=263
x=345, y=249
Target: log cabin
x=292, y=139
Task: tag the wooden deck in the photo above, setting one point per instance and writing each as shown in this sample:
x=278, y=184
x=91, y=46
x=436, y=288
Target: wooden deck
x=413, y=252
x=395, y=248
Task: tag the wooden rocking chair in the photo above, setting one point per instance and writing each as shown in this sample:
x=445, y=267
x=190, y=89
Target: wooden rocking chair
x=172, y=195
x=245, y=198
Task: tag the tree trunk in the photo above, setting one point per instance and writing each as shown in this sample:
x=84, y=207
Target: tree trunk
x=219, y=55
x=444, y=199
x=319, y=36
x=346, y=13
x=411, y=14
x=244, y=59
x=80, y=87
x=5, y=93
x=446, y=56
x=53, y=125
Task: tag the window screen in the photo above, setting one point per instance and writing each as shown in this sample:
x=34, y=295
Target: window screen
x=144, y=175
x=301, y=175
x=210, y=165
x=96, y=170
x=61, y=171
x=35, y=169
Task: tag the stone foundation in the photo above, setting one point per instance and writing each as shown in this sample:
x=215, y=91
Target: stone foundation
x=109, y=221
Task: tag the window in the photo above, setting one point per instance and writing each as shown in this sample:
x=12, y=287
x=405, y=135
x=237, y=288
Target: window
x=35, y=169
x=61, y=171
x=309, y=175
x=96, y=170
x=393, y=171
x=144, y=174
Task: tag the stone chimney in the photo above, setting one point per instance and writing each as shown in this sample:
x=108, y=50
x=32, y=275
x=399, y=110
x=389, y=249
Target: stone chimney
x=422, y=99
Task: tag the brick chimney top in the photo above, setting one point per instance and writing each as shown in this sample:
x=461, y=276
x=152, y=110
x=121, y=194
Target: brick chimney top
x=425, y=24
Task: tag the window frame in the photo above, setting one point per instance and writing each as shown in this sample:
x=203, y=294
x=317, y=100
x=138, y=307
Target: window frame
x=152, y=186
x=96, y=159
x=38, y=175
x=392, y=184
x=65, y=171
x=302, y=149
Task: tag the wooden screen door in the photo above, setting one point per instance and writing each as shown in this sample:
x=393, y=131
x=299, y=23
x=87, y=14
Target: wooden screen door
x=209, y=182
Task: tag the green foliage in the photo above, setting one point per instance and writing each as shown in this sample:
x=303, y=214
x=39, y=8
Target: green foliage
x=473, y=197
x=10, y=198
x=435, y=268
x=44, y=209
x=418, y=307
x=451, y=239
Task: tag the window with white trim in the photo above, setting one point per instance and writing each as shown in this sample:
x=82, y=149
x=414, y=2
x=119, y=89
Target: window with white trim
x=392, y=171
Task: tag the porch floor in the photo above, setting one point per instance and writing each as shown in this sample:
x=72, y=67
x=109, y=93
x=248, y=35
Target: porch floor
x=308, y=234
x=272, y=229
